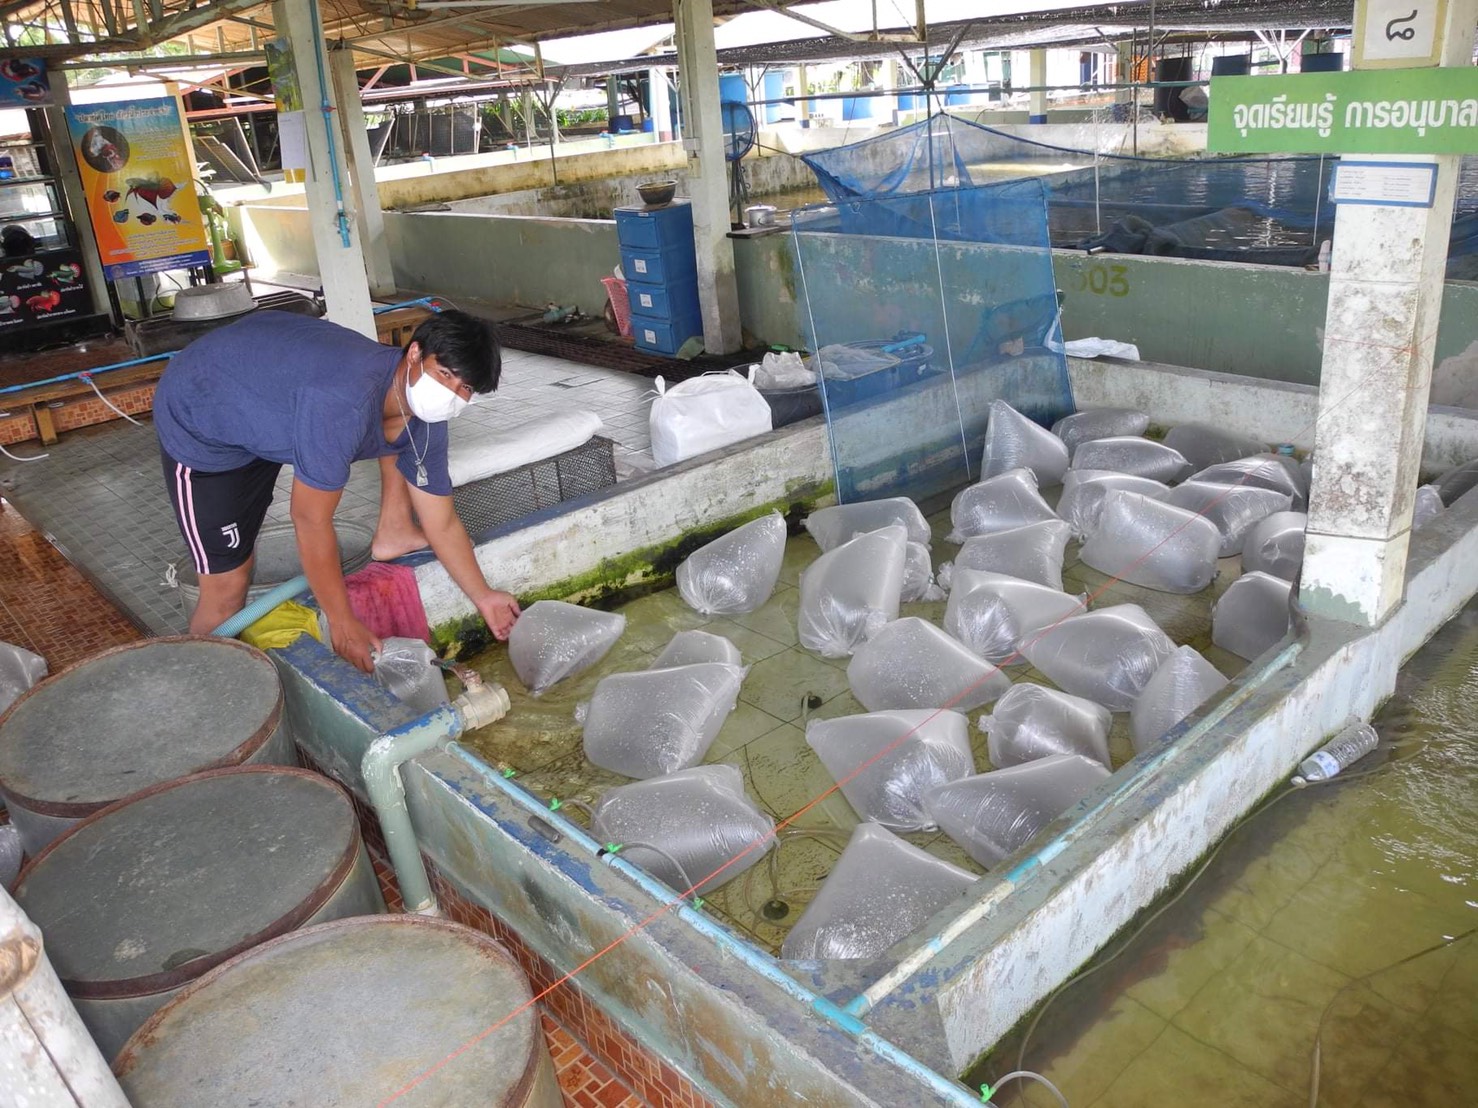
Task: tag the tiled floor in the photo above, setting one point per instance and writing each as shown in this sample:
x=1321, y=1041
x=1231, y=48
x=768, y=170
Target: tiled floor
x=100, y=494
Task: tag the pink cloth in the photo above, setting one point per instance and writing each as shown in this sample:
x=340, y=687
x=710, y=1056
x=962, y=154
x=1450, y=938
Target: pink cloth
x=385, y=599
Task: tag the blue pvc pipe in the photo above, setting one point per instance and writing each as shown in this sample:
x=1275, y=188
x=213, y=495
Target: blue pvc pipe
x=428, y=301
x=89, y=372
x=261, y=606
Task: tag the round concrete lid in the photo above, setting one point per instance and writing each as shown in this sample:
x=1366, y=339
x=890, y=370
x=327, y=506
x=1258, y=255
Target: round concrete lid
x=133, y=717
x=149, y=893
x=350, y=1012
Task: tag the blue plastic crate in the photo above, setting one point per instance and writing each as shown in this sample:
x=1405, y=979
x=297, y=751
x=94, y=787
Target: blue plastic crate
x=664, y=336
x=664, y=302
x=659, y=267
x=656, y=228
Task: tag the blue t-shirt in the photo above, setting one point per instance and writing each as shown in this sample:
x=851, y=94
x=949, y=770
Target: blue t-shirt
x=293, y=389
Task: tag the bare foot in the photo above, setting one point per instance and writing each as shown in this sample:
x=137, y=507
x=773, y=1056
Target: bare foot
x=389, y=545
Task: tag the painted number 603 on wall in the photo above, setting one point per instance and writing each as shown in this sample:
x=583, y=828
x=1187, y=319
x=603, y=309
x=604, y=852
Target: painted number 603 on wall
x=1102, y=279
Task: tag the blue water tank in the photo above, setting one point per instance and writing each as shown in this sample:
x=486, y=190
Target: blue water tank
x=773, y=87
x=1231, y=65
x=1321, y=63
x=731, y=86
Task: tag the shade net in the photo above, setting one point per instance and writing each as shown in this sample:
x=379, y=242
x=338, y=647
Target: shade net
x=922, y=308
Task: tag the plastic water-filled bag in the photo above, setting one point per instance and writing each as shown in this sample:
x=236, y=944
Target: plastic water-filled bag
x=1014, y=442
x=658, y=721
x=408, y=669
x=918, y=575
x=910, y=663
x=19, y=671
x=849, y=593
x=881, y=890
x=1099, y=423
x=1275, y=544
x=553, y=640
x=887, y=761
x=1153, y=543
x=831, y=527
x=1083, y=490
x=1033, y=721
x=1135, y=456
x=698, y=818
x=1233, y=508
x=1457, y=482
x=691, y=648
x=1263, y=471
x=1427, y=507
x=1252, y=615
x=1106, y=656
x=1184, y=682
x=993, y=614
x=995, y=814
x=998, y=503
x=736, y=572
x=1204, y=445
x=1032, y=553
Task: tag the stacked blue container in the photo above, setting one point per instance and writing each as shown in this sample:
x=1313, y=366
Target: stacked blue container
x=661, y=266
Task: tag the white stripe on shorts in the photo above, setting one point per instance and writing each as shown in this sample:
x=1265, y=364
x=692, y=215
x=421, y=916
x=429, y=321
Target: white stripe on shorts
x=186, y=497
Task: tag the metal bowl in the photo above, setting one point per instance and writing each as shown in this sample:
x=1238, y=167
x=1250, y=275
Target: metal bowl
x=201, y=302
x=656, y=193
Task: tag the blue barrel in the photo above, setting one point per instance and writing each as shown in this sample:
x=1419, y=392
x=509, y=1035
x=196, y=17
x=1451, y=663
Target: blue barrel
x=1231, y=65
x=773, y=87
x=731, y=86
x=1321, y=63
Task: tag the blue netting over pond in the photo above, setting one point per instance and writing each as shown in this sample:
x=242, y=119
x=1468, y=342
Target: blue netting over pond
x=1273, y=210
x=924, y=308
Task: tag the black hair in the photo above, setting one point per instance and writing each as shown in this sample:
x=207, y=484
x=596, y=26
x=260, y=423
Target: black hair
x=463, y=344
x=18, y=241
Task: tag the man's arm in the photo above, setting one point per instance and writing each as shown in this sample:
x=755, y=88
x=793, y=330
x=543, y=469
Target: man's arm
x=318, y=547
x=453, y=548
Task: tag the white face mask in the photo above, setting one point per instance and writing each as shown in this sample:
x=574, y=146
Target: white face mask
x=433, y=402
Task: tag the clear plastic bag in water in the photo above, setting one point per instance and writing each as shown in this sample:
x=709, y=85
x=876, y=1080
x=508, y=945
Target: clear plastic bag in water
x=910, y=663
x=886, y=761
x=1457, y=482
x=698, y=819
x=995, y=814
x=408, y=669
x=735, y=573
x=553, y=640
x=1032, y=553
x=1184, y=682
x=1100, y=423
x=1153, y=544
x=1203, y=445
x=1427, y=507
x=1275, y=544
x=849, y=593
x=19, y=671
x=1106, y=656
x=881, y=890
x=918, y=575
x=692, y=648
x=1083, y=490
x=1033, y=721
x=831, y=527
x=1264, y=471
x=1135, y=456
x=658, y=721
x=1233, y=508
x=999, y=503
x=1252, y=615
x=1014, y=442
x=993, y=614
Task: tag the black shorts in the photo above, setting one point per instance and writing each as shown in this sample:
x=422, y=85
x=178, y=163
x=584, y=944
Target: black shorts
x=220, y=513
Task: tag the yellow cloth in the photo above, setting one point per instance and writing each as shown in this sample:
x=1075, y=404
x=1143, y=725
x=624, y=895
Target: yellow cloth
x=281, y=626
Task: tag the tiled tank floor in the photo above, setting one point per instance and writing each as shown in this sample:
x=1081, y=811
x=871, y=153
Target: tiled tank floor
x=50, y=608
x=100, y=494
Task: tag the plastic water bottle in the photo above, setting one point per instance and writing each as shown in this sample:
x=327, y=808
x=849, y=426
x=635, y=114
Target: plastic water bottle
x=1349, y=746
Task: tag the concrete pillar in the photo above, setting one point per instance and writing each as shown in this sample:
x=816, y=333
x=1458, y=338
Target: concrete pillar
x=369, y=220
x=708, y=182
x=526, y=105
x=802, y=86
x=1037, y=77
x=658, y=93
x=1385, y=296
x=336, y=239
x=613, y=101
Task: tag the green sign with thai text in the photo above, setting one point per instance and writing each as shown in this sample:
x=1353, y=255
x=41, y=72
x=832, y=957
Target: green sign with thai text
x=1403, y=111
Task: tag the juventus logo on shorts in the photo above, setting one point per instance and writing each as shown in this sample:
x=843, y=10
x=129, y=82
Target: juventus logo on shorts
x=233, y=535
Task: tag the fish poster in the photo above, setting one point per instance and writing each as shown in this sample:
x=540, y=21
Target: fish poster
x=23, y=83
x=38, y=289
x=138, y=177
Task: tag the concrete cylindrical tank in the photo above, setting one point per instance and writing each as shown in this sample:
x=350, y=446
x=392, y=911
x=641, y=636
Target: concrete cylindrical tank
x=142, y=898
x=132, y=717
x=352, y=1012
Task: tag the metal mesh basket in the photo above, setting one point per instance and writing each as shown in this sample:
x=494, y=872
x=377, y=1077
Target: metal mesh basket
x=504, y=497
